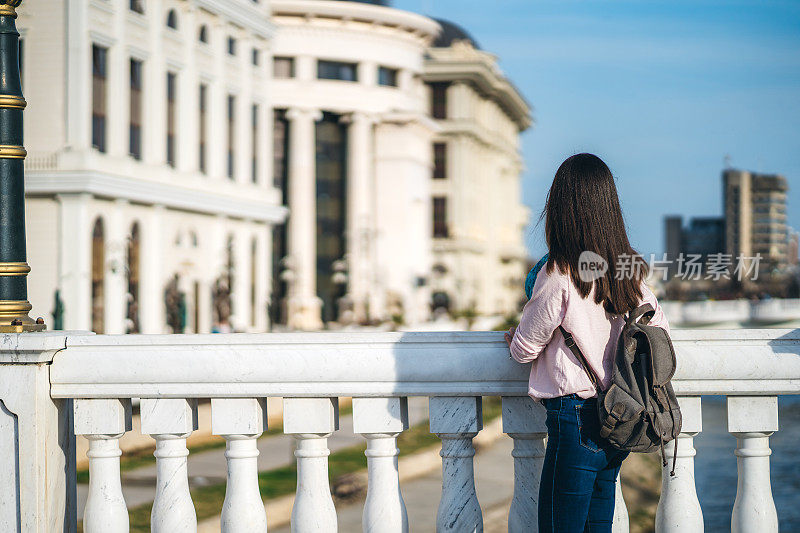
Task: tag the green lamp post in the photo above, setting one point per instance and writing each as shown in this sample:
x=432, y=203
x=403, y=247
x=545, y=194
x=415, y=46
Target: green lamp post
x=14, y=305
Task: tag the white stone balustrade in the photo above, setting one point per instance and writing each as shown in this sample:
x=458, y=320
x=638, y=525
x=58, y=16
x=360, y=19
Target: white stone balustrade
x=380, y=421
x=678, y=508
x=457, y=420
x=55, y=385
x=103, y=422
x=170, y=421
x=524, y=421
x=752, y=420
x=240, y=421
x=312, y=421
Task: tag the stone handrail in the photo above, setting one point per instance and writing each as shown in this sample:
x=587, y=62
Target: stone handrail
x=728, y=362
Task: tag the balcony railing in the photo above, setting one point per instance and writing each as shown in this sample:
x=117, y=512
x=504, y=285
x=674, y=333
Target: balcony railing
x=56, y=385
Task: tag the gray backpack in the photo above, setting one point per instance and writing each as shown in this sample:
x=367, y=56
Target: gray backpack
x=639, y=411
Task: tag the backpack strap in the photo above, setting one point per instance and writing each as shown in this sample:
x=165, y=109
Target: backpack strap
x=570, y=342
x=645, y=311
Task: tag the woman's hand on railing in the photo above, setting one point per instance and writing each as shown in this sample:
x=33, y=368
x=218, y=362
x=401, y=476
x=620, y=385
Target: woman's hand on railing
x=509, y=335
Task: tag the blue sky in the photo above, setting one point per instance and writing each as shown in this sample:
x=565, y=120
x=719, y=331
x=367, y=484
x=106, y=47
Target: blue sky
x=662, y=91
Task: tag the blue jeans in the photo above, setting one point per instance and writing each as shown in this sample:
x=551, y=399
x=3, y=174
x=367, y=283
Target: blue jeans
x=580, y=469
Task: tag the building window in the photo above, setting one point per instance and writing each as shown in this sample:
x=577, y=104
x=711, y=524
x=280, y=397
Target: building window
x=439, y=161
x=254, y=142
x=440, y=217
x=331, y=185
x=202, y=34
x=231, y=132
x=99, y=75
x=336, y=70
x=98, y=276
x=203, y=106
x=280, y=151
x=137, y=6
x=439, y=100
x=283, y=67
x=172, y=19
x=231, y=46
x=135, y=125
x=256, y=57
x=171, y=123
x=132, y=271
x=387, y=76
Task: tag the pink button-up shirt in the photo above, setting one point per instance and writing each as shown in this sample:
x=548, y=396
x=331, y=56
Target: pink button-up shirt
x=555, y=370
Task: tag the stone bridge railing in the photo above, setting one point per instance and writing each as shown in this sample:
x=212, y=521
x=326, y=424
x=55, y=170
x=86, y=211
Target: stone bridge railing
x=55, y=385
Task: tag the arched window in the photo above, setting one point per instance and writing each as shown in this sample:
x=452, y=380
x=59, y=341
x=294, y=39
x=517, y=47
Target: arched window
x=172, y=19
x=132, y=272
x=202, y=35
x=98, y=276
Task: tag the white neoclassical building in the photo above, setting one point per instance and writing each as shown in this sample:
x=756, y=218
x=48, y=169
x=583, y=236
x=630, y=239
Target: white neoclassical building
x=150, y=198
x=478, y=216
x=353, y=139
x=198, y=165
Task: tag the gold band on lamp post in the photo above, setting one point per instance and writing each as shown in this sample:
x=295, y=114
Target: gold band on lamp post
x=12, y=102
x=14, y=269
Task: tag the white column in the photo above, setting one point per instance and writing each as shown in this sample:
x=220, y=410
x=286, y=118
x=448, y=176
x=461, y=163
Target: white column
x=216, y=144
x=304, y=304
x=381, y=420
x=188, y=101
x=312, y=421
x=240, y=297
x=359, y=163
x=37, y=439
x=79, y=79
x=151, y=294
x=678, y=508
x=240, y=421
x=263, y=275
x=117, y=108
x=524, y=421
x=75, y=257
x=103, y=422
x=752, y=419
x=116, y=287
x=621, y=523
x=456, y=420
x=170, y=422
x=154, y=142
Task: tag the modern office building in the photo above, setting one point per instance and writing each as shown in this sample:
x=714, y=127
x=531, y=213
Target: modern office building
x=150, y=198
x=702, y=236
x=755, y=216
x=478, y=217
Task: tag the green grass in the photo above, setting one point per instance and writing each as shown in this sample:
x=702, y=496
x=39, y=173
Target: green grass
x=282, y=481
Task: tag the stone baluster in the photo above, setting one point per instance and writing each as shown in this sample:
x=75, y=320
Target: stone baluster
x=456, y=420
x=752, y=419
x=240, y=421
x=311, y=421
x=678, y=508
x=621, y=523
x=170, y=422
x=524, y=421
x=381, y=420
x=103, y=422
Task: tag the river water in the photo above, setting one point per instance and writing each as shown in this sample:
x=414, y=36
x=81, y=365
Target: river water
x=715, y=465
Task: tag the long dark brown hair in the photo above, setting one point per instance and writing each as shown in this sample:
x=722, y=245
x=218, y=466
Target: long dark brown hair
x=582, y=213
